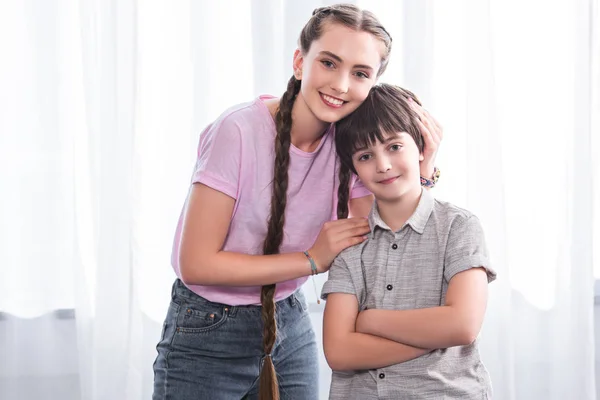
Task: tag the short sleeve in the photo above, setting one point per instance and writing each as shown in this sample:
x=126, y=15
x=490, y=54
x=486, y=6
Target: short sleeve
x=466, y=248
x=358, y=189
x=219, y=157
x=339, y=279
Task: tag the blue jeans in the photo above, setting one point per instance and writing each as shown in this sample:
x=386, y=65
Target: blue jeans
x=214, y=351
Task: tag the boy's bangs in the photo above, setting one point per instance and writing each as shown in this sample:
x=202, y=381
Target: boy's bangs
x=366, y=139
x=371, y=126
x=384, y=113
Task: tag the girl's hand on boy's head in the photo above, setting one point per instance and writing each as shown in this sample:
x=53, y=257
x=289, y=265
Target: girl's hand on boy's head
x=433, y=134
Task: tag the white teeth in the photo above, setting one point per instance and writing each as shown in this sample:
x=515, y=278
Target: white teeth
x=332, y=100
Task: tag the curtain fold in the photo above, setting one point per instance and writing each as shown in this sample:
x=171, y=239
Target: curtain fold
x=105, y=303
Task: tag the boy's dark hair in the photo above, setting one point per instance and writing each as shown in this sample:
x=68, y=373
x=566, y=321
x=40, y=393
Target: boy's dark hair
x=386, y=111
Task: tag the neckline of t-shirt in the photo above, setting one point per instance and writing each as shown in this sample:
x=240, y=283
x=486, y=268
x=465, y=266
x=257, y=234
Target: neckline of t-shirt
x=293, y=148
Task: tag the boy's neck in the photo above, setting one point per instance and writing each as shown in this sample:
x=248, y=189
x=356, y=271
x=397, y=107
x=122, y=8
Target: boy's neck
x=396, y=213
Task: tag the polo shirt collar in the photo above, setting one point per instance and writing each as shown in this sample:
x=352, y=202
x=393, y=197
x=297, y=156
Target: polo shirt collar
x=417, y=220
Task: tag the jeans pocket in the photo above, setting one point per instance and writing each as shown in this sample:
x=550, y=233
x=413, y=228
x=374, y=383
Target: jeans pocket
x=195, y=318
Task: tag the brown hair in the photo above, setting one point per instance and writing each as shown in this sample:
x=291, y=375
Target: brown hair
x=352, y=17
x=384, y=112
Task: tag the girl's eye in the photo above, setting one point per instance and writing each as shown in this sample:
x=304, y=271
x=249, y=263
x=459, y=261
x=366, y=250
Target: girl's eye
x=362, y=75
x=327, y=63
x=364, y=157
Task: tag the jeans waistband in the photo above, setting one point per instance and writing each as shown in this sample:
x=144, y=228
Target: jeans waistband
x=181, y=291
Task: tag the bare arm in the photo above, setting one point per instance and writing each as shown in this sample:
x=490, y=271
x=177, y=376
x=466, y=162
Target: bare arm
x=457, y=323
x=345, y=349
x=206, y=223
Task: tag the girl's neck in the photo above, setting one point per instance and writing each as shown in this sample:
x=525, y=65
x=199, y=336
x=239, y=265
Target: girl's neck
x=307, y=129
x=396, y=213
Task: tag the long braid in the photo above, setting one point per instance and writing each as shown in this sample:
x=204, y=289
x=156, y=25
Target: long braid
x=268, y=385
x=343, y=192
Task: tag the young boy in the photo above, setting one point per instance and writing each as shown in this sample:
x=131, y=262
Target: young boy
x=404, y=308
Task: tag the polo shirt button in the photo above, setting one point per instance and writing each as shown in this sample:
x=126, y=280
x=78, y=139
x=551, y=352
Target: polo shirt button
x=389, y=287
x=381, y=375
x=394, y=246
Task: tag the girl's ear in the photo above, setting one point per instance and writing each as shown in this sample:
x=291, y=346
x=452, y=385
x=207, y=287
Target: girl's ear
x=298, y=62
x=421, y=157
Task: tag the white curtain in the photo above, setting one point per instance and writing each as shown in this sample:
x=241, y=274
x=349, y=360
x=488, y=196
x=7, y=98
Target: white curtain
x=101, y=103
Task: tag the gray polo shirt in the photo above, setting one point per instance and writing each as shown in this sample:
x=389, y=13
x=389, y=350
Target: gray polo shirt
x=411, y=269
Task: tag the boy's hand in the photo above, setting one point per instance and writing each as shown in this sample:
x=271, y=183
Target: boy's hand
x=433, y=134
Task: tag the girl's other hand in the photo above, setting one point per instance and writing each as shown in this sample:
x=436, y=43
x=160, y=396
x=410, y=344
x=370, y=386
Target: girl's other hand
x=433, y=133
x=334, y=237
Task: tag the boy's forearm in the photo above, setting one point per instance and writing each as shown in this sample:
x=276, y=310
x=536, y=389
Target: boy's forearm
x=436, y=327
x=359, y=351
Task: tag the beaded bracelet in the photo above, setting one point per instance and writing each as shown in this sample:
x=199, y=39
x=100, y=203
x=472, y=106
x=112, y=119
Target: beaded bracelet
x=430, y=183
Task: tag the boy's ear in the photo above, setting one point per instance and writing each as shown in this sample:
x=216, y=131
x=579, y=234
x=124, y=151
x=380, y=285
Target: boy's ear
x=421, y=157
x=297, y=64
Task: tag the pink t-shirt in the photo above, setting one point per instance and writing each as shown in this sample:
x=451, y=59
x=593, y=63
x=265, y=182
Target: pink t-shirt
x=235, y=156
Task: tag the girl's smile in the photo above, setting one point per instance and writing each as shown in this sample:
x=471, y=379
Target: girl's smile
x=331, y=101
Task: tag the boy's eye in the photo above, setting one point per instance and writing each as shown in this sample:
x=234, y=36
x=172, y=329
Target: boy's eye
x=327, y=63
x=395, y=147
